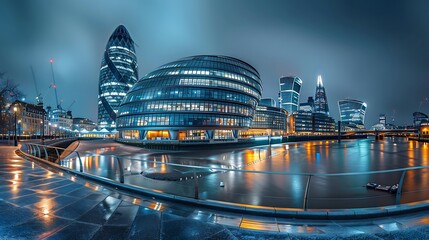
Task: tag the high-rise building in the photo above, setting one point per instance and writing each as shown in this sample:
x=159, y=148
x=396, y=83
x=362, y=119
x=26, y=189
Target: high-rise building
x=289, y=93
x=118, y=73
x=320, y=100
x=352, y=113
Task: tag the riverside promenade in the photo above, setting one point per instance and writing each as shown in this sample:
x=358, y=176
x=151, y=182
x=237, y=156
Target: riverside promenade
x=36, y=203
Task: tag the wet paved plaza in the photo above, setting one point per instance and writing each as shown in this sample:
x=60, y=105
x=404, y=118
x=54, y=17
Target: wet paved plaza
x=36, y=204
x=270, y=187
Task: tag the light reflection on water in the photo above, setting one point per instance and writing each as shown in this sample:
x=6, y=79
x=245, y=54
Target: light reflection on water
x=282, y=190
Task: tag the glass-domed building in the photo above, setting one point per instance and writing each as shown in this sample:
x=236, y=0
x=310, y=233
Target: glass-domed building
x=195, y=98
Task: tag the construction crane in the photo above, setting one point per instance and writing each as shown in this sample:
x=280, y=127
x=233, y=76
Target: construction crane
x=68, y=109
x=54, y=85
x=39, y=98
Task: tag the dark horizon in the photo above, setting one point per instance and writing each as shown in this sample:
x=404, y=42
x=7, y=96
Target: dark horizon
x=376, y=52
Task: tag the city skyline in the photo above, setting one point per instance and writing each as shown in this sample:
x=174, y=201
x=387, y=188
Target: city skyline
x=367, y=60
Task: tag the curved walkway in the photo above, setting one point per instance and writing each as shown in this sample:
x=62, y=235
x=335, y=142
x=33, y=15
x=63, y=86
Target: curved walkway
x=36, y=203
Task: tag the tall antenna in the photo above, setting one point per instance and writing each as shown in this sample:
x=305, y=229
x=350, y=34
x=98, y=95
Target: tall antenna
x=55, y=85
x=39, y=97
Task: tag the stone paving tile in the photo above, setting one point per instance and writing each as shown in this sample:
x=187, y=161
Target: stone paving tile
x=248, y=234
x=124, y=215
x=298, y=229
x=370, y=228
x=232, y=221
x=257, y=224
x=112, y=232
x=26, y=200
x=405, y=235
x=80, y=192
x=67, y=188
x=189, y=229
x=35, y=228
x=179, y=210
x=146, y=225
x=101, y=212
x=76, y=230
x=362, y=237
x=390, y=226
x=53, y=204
x=96, y=197
x=18, y=193
x=203, y=216
x=76, y=209
x=15, y=215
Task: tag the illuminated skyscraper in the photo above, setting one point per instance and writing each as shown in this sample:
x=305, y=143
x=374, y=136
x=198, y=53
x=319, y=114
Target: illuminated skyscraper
x=320, y=100
x=118, y=73
x=289, y=93
x=352, y=113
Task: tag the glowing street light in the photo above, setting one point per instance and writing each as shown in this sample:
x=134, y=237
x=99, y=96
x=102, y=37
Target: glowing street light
x=15, y=109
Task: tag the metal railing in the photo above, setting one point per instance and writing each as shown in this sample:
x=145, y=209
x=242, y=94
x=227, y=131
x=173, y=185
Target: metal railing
x=204, y=182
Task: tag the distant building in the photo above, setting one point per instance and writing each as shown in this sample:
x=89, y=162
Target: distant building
x=419, y=118
x=61, y=121
x=301, y=122
x=83, y=123
x=308, y=106
x=382, y=119
x=424, y=131
x=304, y=122
x=378, y=127
x=118, y=73
x=352, y=114
x=289, y=93
x=31, y=119
x=320, y=100
x=267, y=102
x=268, y=121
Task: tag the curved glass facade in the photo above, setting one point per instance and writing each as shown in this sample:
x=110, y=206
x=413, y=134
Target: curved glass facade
x=118, y=73
x=352, y=113
x=200, y=93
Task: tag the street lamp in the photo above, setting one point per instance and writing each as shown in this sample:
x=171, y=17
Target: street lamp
x=43, y=130
x=15, y=140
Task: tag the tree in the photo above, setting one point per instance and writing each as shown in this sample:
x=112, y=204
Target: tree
x=9, y=92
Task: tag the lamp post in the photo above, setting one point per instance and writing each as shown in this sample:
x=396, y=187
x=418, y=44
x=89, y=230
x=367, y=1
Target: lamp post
x=42, y=132
x=15, y=139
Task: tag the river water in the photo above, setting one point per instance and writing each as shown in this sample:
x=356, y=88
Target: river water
x=289, y=167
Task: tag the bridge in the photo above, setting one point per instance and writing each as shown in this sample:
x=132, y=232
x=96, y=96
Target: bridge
x=387, y=132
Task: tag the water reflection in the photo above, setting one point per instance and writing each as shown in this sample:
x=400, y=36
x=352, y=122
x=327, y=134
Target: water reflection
x=281, y=190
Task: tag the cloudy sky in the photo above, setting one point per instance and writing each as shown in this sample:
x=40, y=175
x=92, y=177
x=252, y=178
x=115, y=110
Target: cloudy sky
x=374, y=51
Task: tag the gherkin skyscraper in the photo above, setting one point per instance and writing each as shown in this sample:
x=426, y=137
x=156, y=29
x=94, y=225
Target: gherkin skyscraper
x=118, y=73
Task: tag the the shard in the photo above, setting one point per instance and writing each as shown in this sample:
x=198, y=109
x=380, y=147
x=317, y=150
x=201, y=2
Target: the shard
x=320, y=100
x=118, y=73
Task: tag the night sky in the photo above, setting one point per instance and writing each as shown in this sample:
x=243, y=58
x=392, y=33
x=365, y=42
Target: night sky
x=374, y=51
